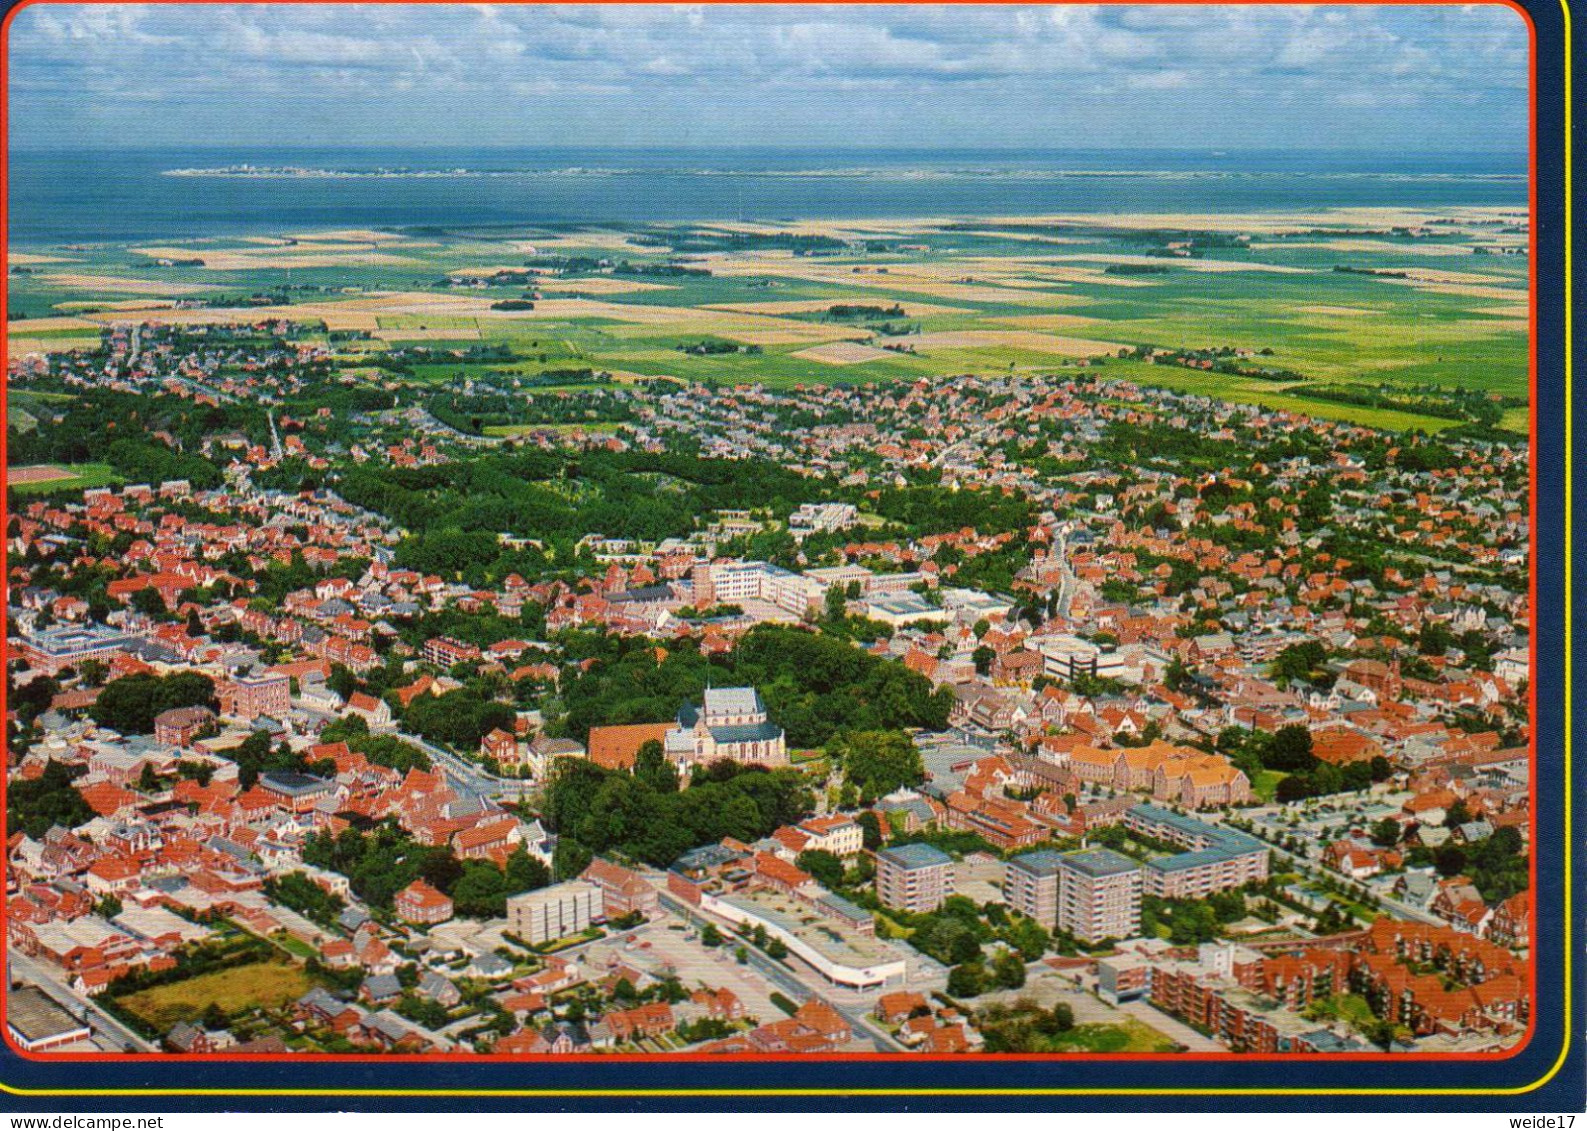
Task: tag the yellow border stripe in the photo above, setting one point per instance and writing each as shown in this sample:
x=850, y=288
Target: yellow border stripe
x=686, y=1093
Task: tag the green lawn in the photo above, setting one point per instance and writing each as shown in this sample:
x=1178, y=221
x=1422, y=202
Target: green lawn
x=1129, y=1035
x=295, y=945
x=1349, y=1008
x=524, y=429
x=1266, y=784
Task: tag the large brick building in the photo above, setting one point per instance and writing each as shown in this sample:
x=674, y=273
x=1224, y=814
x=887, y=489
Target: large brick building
x=420, y=903
x=252, y=694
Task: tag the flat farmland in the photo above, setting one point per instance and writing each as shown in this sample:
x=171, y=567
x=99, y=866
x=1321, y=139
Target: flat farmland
x=1416, y=300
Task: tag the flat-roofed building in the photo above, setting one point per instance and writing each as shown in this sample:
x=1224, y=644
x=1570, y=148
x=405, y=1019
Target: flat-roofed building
x=50, y=649
x=297, y=792
x=900, y=609
x=1123, y=977
x=913, y=877
x=1216, y=859
x=821, y=935
x=1030, y=886
x=1099, y=895
x=251, y=694
x=555, y=912
x=821, y=518
x=38, y=1023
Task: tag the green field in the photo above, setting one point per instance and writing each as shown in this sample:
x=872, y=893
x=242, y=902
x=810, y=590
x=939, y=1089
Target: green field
x=1266, y=784
x=525, y=429
x=235, y=990
x=294, y=945
x=1128, y=1035
x=1324, y=304
x=84, y=476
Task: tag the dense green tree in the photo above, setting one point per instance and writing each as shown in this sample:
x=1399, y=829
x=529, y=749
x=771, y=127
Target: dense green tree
x=870, y=829
x=1299, y=661
x=149, y=602
x=458, y=718
x=481, y=891
x=31, y=699
x=968, y=979
x=1027, y=936
x=1386, y=833
x=610, y=811
x=130, y=704
x=652, y=768
x=303, y=895
x=37, y=805
x=570, y=859
x=1008, y=970
x=1290, y=749
x=824, y=867
x=525, y=873
x=878, y=762
x=1449, y=860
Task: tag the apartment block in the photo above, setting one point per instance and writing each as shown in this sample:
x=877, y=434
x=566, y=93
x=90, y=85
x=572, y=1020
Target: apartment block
x=1099, y=895
x=555, y=912
x=1030, y=886
x=913, y=877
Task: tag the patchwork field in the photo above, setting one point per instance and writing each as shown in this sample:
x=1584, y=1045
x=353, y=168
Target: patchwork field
x=1407, y=305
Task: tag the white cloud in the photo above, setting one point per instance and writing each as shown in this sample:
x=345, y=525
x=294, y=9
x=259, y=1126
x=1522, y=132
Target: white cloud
x=839, y=61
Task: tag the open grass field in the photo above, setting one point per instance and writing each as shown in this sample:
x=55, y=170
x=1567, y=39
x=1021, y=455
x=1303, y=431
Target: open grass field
x=1129, y=1035
x=293, y=945
x=590, y=426
x=1266, y=784
x=44, y=478
x=1401, y=298
x=261, y=984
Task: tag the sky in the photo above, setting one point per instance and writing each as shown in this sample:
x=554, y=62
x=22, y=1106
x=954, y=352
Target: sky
x=1408, y=78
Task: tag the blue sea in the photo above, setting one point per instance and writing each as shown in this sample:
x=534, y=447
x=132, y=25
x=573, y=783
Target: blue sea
x=111, y=196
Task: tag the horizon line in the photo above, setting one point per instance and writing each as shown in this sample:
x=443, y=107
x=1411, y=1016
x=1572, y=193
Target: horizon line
x=814, y=147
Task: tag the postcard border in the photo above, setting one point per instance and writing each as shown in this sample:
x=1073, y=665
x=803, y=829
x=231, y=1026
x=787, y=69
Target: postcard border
x=1567, y=1000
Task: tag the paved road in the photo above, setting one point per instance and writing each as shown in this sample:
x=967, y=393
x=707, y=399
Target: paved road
x=112, y=1034
x=465, y=775
x=1066, y=579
